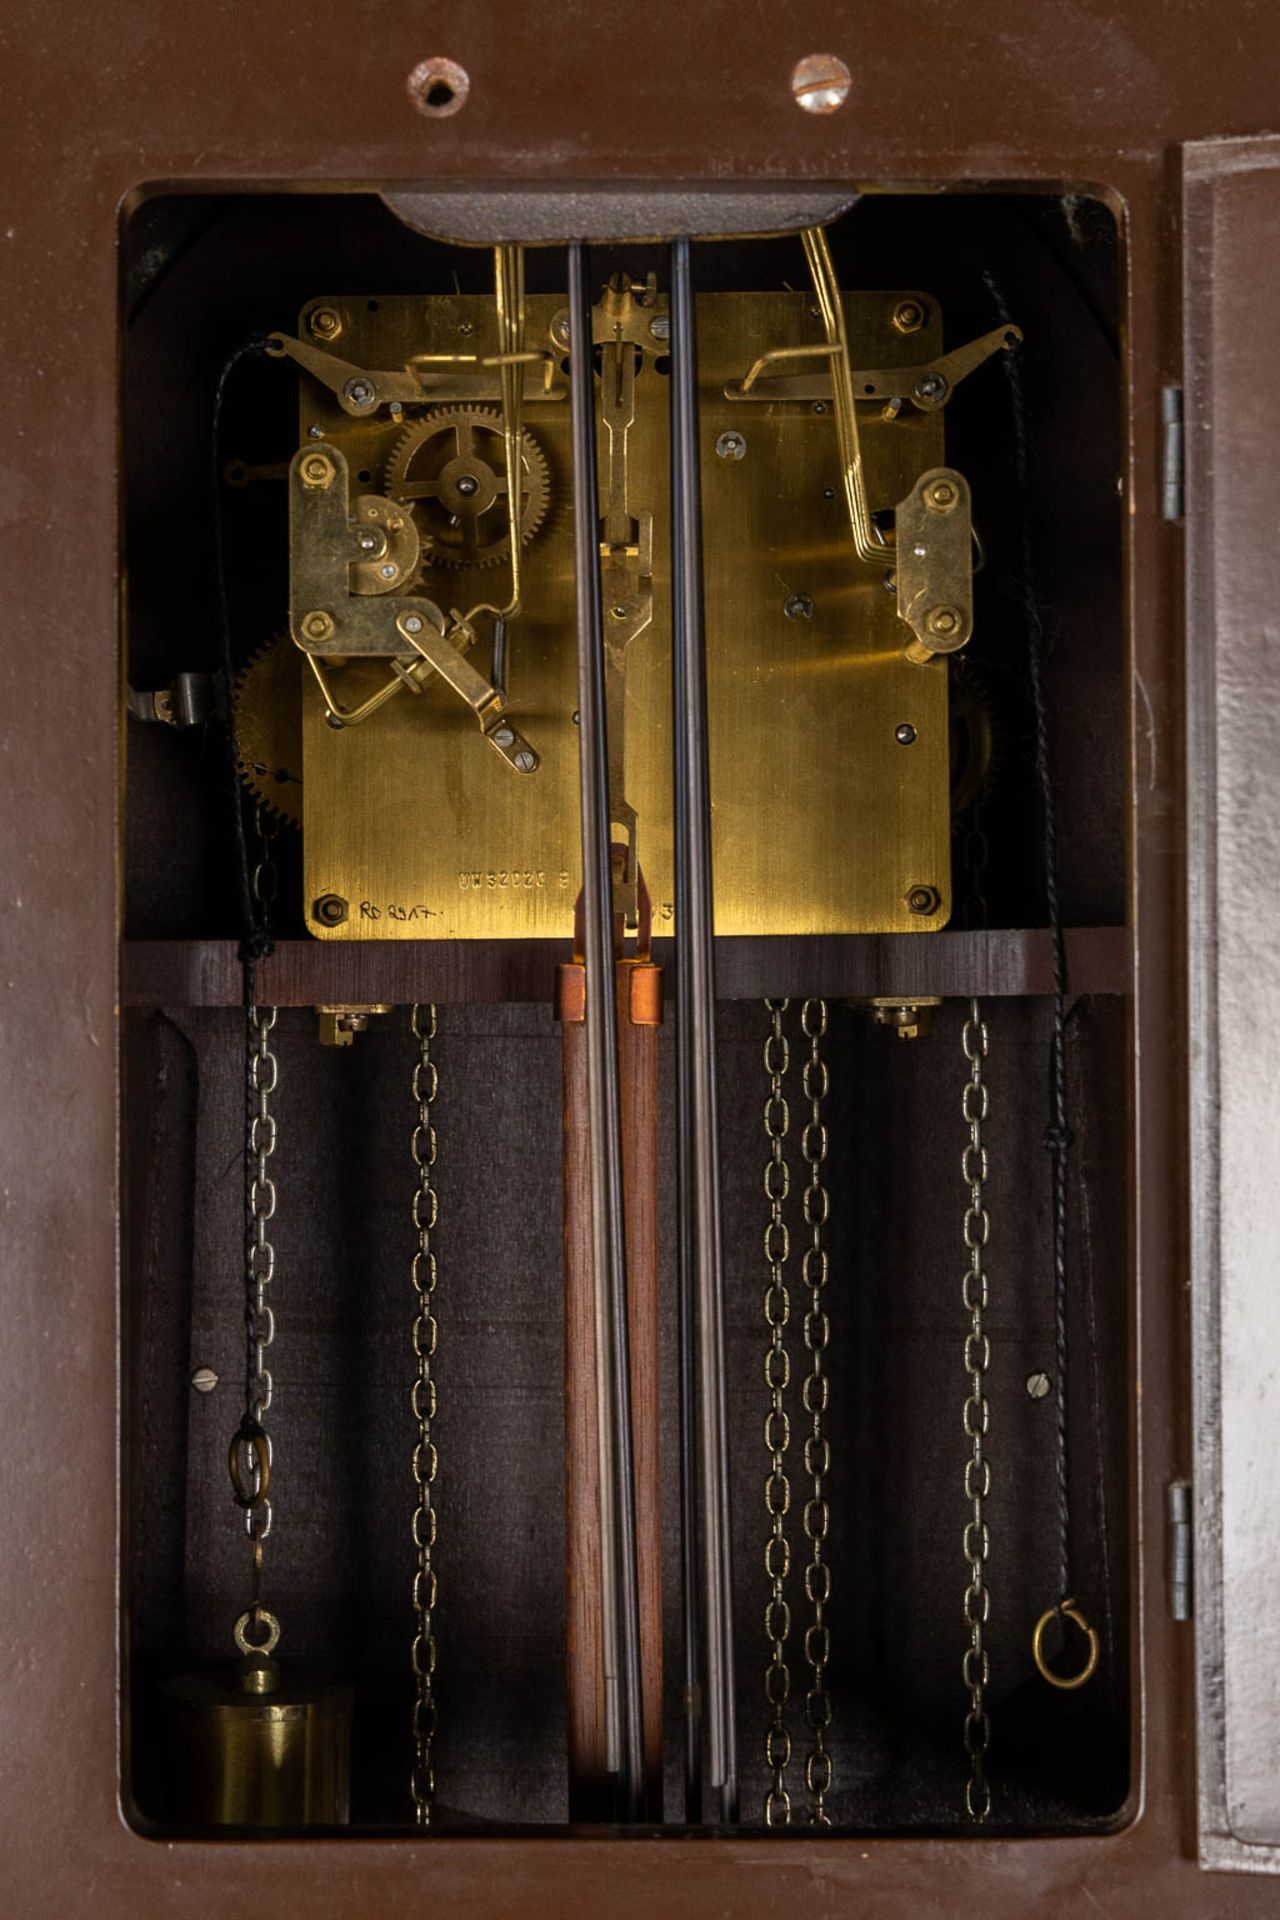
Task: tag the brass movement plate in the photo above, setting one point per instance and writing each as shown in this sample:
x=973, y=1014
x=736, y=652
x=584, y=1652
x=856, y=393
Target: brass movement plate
x=823, y=822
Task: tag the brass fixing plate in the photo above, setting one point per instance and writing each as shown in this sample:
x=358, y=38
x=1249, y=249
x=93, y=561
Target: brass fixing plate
x=824, y=821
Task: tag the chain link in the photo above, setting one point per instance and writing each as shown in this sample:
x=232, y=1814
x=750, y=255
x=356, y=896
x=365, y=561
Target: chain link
x=250, y=1455
x=815, y=1394
x=425, y=1333
x=777, y=1423
x=977, y=1471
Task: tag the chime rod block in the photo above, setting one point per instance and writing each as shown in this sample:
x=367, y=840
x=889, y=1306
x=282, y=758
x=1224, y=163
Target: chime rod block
x=697, y=1147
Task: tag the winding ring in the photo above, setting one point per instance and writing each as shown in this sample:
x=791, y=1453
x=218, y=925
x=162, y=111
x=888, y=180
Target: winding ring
x=241, y=1634
x=1066, y=1610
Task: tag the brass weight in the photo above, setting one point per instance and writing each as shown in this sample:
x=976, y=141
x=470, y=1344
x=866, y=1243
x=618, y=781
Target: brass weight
x=254, y=1748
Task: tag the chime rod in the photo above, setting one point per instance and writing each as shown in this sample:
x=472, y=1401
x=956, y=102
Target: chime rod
x=697, y=1147
x=619, y=1578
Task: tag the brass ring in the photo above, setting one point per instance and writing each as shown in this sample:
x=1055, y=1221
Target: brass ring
x=1066, y=1610
x=242, y=1640
x=249, y=1434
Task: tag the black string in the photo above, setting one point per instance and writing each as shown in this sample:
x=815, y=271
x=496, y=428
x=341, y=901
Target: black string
x=1057, y=1136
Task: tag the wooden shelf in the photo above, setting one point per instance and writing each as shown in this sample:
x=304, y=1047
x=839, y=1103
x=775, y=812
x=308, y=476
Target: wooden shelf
x=302, y=973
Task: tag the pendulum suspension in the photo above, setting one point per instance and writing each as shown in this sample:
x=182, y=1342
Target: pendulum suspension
x=425, y=1334
x=697, y=1142
x=977, y=1414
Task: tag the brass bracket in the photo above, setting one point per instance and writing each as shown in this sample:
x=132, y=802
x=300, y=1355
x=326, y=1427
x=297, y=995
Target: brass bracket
x=361, y=391
x=933, y=561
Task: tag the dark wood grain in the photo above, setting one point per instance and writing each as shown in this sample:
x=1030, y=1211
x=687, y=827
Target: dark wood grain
x=300, y=973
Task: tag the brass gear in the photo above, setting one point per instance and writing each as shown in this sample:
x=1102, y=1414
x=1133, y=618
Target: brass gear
x=975, y=738
x=449, y=466
x=268, y=695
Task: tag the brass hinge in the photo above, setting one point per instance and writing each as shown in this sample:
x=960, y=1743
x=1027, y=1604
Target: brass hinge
x=1171, y=448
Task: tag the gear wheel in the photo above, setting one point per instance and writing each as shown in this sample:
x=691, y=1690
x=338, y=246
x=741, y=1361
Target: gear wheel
x=450, y=468
x=268, y=697
x=975, y=738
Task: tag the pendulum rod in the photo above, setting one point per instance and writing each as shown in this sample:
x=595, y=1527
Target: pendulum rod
x=697, y=1145
x=619, y=1581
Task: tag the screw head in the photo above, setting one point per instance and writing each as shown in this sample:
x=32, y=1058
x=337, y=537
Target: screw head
x=620, y=611
x=317, y=626
x=330, y=910
x=660, y=326
x=798, y=606
x=1039, y=1385
x=504, y=737
x=923, y=899
x=905, y=734
x=731, y=445
x=942, y=496
x=820, y=82
x=325, y=324
x=931, y=387
x=317, y=470
x=560, y=328
x=908, y=316
x=525, y=760
x=467, y=484
x=368, y=543
x=360, y=393
x=204, y=1379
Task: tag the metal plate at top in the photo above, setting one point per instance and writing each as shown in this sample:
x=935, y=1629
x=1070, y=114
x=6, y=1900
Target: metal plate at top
x=822, y=821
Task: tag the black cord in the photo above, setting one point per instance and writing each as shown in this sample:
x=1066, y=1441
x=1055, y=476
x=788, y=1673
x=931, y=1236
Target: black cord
x=1057, y=1137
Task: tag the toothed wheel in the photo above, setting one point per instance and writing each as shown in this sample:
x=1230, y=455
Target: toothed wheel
x=450, y=467
x=269, y=728
x=975, y=738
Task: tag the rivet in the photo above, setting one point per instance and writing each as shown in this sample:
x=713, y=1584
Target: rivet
x=945, y=622
x=798, y=606
x=360, y=392
x=412, y=623
x=942, y=496
x=317, y=626
x=905, y=734
x=731, y=445
x=931, y=386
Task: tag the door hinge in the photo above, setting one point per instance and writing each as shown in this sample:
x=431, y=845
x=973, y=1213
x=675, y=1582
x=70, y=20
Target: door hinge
x=1171, y=449
x=1181, y=1561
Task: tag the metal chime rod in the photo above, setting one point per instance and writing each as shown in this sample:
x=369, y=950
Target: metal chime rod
x=619, y=1581
x=697, y=1147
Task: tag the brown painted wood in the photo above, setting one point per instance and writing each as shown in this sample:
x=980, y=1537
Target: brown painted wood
x=106, y=100
x=301, y=973
x=589, y=1793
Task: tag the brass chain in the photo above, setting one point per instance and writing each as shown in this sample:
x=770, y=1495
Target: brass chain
x=977, y=1470
x=249, y=1458
x=815, y=1395
x=777, y=1423
x=425, y=1333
